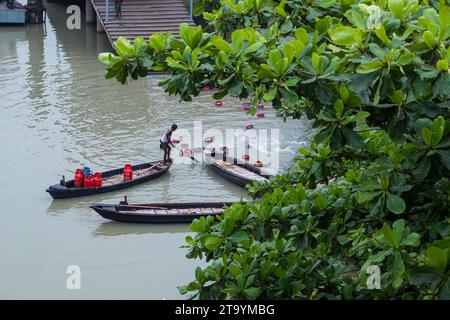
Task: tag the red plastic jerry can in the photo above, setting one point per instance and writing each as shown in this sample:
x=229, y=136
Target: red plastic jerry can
x=128, y=172
x=88, y=181
x=79, y=178
x=98, y=180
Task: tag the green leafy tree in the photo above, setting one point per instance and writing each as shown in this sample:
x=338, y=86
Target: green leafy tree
x=372, y=188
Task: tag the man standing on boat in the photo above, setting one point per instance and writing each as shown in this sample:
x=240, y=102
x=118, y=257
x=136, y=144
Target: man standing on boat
x=166, y=142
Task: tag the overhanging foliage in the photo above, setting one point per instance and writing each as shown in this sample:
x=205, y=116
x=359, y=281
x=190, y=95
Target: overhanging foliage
x=374, y=79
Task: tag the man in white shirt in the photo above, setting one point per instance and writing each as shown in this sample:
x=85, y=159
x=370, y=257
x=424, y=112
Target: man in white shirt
x=166, y=142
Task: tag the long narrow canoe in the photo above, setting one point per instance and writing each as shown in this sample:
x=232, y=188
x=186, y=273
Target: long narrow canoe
x=159, y=212
x=112, y=180
x=234, y=170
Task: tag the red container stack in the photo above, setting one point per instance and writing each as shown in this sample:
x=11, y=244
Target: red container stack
x=128, y=172
x=98, y=179
x=79, y=178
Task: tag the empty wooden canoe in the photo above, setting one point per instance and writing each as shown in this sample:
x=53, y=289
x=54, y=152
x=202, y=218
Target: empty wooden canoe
x=112, y=180
x=234, y=170
x=159, y=212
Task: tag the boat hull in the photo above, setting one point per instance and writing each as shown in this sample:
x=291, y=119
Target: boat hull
x=58, y=191
x=242, y=182
x=11, y=16
x=117, y=212
x=233, y=178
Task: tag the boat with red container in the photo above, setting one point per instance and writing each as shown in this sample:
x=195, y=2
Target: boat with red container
x=108, y=181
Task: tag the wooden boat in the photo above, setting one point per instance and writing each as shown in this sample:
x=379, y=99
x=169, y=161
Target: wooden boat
x=112, y=180
x=159, y=212
x=12, y=15
x=234, y=170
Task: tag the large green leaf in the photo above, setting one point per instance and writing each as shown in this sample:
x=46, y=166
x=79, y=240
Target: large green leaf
x=357, y=18
x=254, y=47
x=369, y=67
x=380, y=32
x=444, y=21
x=395, y=203
x=412, y=239
x=212, y=242
x=278, y=63
x=240, y=238
x=292, y=50
x=290, y=96
x=346, y=36
x=318, y=63
x=124, y=47
x=237, y=38
x=423, y=169
x=221, y=44
x=158, y=42
x=437, y=259
x=389, y=236
x=397, y=269
x=353, y=139
x=399, y=226
x=191, y=35
x=445, y=158
x=437, y=130
x=426, y=136
x=198, y=225
x=364, y=197
x=270, y=95
x=252, y=293
x=108, y=58
x=302, y=35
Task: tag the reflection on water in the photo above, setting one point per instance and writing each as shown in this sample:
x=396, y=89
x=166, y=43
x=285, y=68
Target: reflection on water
x=57, y=113
x=113, y=228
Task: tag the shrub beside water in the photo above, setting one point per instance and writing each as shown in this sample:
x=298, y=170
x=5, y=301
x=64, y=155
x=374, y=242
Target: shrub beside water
x=372, y=189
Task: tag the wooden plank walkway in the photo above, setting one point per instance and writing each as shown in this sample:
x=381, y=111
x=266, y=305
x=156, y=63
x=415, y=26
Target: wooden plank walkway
x=143, y=18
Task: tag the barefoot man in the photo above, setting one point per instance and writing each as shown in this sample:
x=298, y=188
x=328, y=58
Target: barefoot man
x=166, y=142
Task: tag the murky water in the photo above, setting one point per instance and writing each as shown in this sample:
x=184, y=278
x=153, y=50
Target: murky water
x=58, y=113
